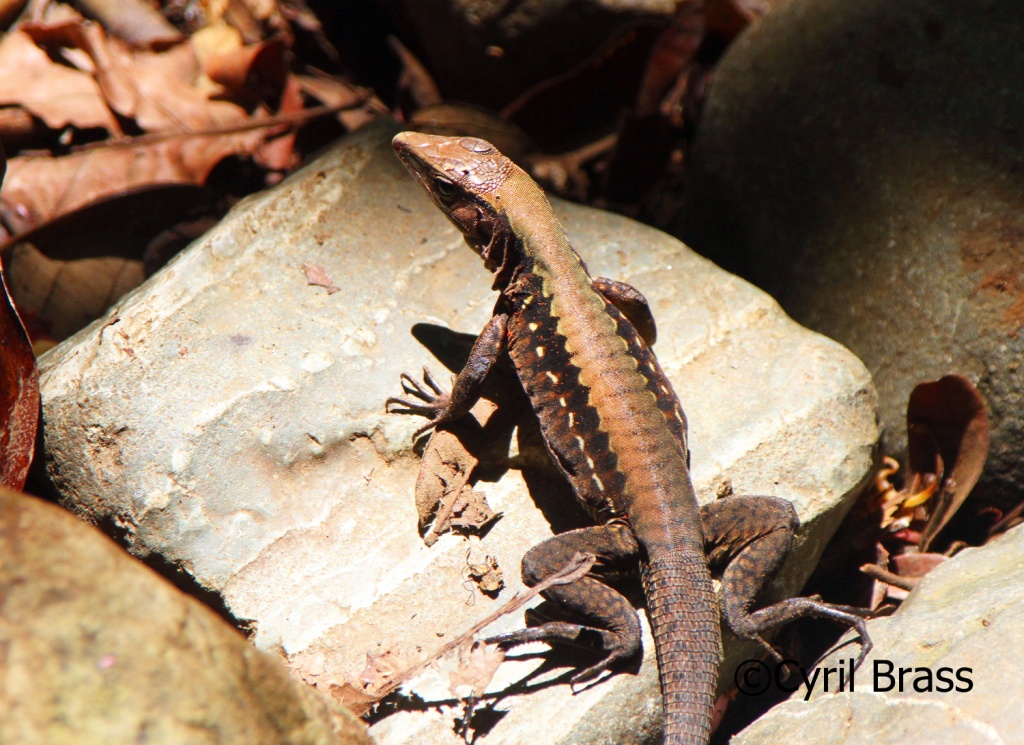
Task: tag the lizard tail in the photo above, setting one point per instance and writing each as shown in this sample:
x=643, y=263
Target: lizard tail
x=683, y=610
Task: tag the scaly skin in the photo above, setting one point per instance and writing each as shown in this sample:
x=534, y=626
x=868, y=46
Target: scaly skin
x=614, y=426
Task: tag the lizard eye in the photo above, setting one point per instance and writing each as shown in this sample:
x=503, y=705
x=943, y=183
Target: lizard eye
x=445, y=188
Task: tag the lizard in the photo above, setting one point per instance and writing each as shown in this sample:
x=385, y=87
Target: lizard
x=614, y=427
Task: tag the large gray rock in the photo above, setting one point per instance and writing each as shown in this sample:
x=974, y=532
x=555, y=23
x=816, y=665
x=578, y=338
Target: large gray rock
x=229, y=416
x=964, y=616
x=864, y=163
x=96, y=648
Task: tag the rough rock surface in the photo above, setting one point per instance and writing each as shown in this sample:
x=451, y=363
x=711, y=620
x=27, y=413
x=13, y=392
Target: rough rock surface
x=229, y=416
x=964, y=614
x=96, y=648
x=865, y=161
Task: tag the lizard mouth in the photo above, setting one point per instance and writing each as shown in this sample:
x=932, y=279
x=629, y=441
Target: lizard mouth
x=485, y=244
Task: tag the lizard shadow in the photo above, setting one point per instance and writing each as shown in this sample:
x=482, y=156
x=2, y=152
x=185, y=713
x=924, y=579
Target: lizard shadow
x=484, y=718
x=492, y=443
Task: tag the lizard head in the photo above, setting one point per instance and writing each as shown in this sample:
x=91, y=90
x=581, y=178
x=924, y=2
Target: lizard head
x=463, y=176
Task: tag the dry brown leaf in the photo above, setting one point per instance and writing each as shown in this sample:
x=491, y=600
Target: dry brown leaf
x=333, y=92
x=278, y=153
x=477, y=663
x=444, y=471
x=68, y=295
x=415, y=82
x=471, y=512
x=257, y=68
x=214, y=39
x=487, y=575
x=86, y=46
x=41, y=188
x=316, y=276
x=670, y=58
x=68, y=271
x=380, y=670
x=57, y=94
x=19, y=390
x=135, y=21
x=19, y=396
x=946, y=423
x=356, y=700
x=156, y=89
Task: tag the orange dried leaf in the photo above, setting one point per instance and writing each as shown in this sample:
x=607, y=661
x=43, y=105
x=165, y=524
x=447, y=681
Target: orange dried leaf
x=42, y=188
x=261, y=68
x=58, y=95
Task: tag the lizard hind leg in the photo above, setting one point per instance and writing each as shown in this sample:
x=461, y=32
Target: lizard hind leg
x=608, y=623
x=752, y=536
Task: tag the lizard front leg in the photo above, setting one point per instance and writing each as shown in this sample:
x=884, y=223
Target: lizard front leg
x=441, y=407
x=751, y=537
x=632, y=304
x=608, y=622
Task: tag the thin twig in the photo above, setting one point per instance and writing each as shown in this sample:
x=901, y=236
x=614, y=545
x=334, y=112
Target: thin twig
x=573, y=570
x=248, y=125
x=884, y=575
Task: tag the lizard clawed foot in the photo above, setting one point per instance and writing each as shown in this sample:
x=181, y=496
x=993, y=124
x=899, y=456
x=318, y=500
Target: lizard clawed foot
x=435, y=401
x=576, y=635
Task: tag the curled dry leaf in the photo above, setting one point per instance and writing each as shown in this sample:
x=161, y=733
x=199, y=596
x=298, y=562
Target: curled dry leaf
x=415, y=84
x=947, y=425
x=444, y=472
x=256, y=69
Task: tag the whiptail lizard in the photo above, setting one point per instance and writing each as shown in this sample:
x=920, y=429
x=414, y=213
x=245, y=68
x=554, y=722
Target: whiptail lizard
x=614, y=427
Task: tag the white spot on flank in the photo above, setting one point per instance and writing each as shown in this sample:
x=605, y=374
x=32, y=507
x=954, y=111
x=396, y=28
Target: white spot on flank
x=600, y=485
x=554, y=378
x=664, y=388
x=539, y=351
x=580, y=441
x=527, y=300
x=571, y=419
x=533, y=327
x=590, y=461
x=561, y=400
